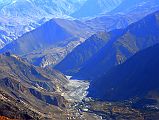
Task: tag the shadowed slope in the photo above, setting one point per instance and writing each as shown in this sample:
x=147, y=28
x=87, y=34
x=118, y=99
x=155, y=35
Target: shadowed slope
x=137, y=77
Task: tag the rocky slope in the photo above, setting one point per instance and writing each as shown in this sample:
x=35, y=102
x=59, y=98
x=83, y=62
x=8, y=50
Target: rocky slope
x=137, y=77
x=29, y=88
x=30, y=93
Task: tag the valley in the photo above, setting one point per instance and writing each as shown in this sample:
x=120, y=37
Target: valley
x=79, y=60
x=119, y=110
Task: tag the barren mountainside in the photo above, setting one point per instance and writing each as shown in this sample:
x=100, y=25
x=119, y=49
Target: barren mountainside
x=26, y=85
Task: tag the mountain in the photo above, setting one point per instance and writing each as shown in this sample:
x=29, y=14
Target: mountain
x=78, y=57
x=122, y=45
x=52, y=41
x=137, y=77
x=48, y=34
x=92, y=8
x=27, y=91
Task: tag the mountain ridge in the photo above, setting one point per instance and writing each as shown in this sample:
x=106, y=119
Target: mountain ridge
x=76, y=59
x=119, y=48
x=134, y=78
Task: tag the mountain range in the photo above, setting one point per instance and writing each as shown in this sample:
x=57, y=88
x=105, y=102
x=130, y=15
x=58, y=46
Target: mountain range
x=79, y=59
x=44, y=51
x=21, y=16
x=122, y=44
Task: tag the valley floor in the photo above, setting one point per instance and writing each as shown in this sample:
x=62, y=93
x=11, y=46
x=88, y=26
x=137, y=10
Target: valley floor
x=77, y=90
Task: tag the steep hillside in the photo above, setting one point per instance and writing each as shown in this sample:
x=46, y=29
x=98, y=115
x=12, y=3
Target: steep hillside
x=135, y=37
x=28, y=88
x=79, y=56
x=32, y=93
x=137, y=77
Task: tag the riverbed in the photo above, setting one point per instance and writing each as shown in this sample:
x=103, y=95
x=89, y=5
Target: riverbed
x=77, y=90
